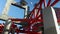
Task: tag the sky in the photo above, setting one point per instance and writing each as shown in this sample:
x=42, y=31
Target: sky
x=18, y=12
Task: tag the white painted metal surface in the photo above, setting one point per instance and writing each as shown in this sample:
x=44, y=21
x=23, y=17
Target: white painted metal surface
x=4, y=15
x=7, y=6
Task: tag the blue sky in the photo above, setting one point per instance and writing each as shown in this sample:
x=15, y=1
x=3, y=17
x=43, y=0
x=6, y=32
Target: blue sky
x=18, y=12
x=15, y=11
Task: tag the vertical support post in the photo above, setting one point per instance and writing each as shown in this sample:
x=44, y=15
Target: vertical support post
x=4, y=14
x=26, y=11
x=50, y=21
x=7, y=27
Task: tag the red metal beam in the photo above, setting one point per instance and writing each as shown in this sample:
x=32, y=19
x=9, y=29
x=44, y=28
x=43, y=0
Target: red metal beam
x=58, y=20
x=45, y=5
x=40, y=7
x=22, y=20
x=54, y=2
x=34, y=20
x=31, y=15
x=34, y=9
x=49, y=3
x=27, y=32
